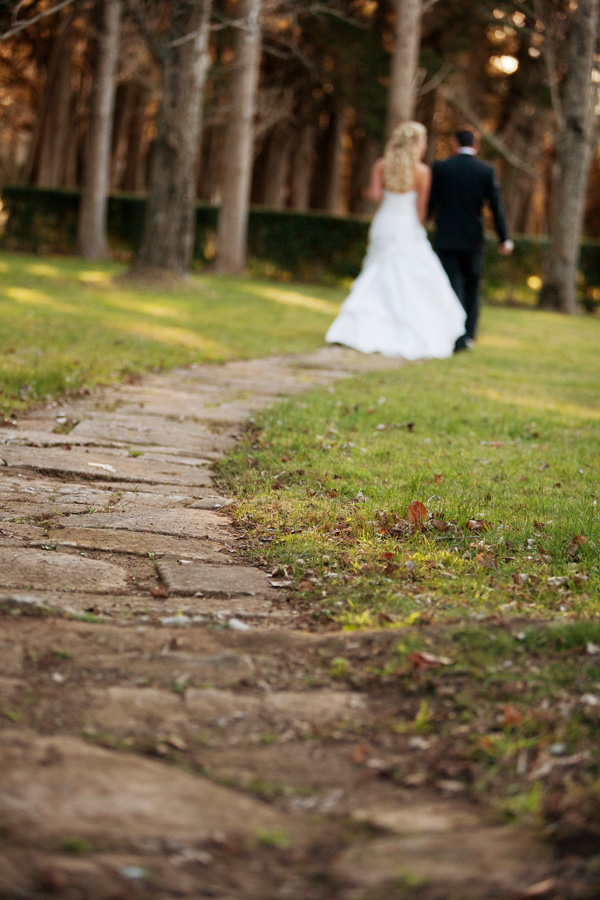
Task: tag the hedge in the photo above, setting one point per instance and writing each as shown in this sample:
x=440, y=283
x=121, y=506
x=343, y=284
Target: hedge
x=310, y=246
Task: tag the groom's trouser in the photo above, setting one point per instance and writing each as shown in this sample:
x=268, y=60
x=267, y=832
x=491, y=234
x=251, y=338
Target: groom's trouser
x=464, y=268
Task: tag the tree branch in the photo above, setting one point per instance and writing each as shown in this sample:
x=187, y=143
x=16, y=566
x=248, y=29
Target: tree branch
x=22, y=25
x=547, y=51
x=498, y=145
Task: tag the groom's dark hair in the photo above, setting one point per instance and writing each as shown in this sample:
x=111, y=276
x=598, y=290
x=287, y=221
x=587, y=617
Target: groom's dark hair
x=466, y=137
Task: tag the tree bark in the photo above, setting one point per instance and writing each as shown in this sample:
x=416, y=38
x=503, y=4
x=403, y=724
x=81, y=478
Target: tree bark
x=135, y=166
x=405, y=59
x=574, y=147
x=91, y=237
x=302, y=168
x=168, y=239
x=277, y=164
x=238, y=156
x=334, y=196
x=51, y=134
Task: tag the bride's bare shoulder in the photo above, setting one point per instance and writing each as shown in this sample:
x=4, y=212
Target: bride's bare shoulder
x=422, y=175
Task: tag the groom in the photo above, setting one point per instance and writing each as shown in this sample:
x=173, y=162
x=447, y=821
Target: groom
x=460, y=186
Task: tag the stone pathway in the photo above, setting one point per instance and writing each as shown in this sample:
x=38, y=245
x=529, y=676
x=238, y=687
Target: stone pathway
x=168, y=728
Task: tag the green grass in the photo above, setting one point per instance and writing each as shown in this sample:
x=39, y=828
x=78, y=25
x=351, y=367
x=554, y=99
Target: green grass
x=500, y=445
x=68, y=325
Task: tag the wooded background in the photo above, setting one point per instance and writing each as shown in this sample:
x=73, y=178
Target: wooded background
x=286, y=104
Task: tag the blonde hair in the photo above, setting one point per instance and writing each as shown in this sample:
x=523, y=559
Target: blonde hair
x=400, y=156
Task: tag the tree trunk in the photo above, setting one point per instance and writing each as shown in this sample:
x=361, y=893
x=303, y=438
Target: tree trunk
x=574, y=147
x=54, y=134
x=168, y=240
x=135, y=162
x=365, y=155
x=277, y=165
x=334, y=196
x=91, y=237
x=209, y=187
x=405, y=59
x=302, y=168
x=238, y=156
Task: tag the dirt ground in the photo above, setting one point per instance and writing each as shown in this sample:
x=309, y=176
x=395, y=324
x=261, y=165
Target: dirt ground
x=174, y=723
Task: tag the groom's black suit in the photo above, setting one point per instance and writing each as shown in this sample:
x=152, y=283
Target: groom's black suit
x=460, y=186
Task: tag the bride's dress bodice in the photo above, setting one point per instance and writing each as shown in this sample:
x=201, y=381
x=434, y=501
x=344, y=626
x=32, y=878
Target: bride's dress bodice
x=396, y=221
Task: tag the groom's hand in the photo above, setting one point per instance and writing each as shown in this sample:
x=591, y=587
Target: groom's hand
x=506, y=248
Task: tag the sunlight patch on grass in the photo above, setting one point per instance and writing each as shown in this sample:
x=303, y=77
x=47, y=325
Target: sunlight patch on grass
x=173, y=335
x=146, y=306
x=92, y=277
x=36, y=298
x=294, y=298
x=43, y=269
x=536, y=403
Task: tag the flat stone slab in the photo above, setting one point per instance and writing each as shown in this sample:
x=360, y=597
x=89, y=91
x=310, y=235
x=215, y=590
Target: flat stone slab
x=212, y=503
x=136, y=543
x=500, y=857
x=220, y=670
x=53, y=788
x=11, y=660
x=104, y=464
x=223, y=581
x=121, y=709
x=196, y=523
x=40, y=570
x=425, y=818
x=139, y=429
x=30, y=488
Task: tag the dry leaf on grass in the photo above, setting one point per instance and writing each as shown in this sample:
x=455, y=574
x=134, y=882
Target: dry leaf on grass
x=422, y=660
x=416, y=513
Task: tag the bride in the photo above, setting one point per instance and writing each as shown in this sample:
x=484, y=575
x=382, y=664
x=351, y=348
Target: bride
x=401, y=304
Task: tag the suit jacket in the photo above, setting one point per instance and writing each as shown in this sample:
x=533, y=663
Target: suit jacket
x=460, y=186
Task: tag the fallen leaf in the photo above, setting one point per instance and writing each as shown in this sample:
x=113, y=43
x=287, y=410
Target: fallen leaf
x=359, y=754
x=423, y=660
x=557, y=580
x=438, y=478
x=572, y=548
x=486, y=560
x=476, y=525
x=521, y=577
x=540, y=888
x=416, y=513
x=439, y=525
x=512, y=716
x=414, y=779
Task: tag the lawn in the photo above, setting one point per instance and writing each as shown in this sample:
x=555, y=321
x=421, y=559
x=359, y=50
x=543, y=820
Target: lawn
x=460, y=487
x=67, y=325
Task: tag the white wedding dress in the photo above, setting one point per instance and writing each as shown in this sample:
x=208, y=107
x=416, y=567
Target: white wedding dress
x=401, y=304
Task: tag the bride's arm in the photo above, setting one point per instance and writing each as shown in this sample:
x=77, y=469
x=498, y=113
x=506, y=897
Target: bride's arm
x=375, y=190
x=422, y=187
